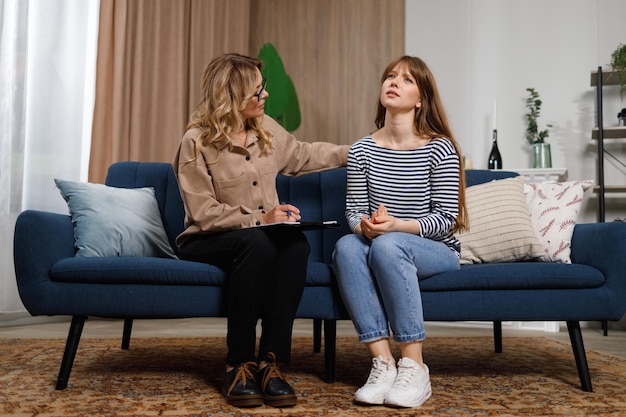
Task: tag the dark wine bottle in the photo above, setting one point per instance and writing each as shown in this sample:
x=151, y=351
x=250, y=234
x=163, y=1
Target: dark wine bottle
x=495, y=160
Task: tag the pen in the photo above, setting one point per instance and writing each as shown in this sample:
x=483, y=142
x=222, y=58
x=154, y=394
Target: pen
x=289, y=213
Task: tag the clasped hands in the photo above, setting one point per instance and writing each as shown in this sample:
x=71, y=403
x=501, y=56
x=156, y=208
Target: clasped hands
x=380, y=223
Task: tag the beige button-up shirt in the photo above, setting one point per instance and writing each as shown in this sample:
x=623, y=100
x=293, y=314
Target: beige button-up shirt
x=226, y=190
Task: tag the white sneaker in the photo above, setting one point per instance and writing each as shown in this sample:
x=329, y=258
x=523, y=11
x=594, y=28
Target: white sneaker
x=381, y=378
x=411, y=387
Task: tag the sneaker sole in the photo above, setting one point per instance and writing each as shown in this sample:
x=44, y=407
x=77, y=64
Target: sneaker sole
x=420, y=401
x=361, y=402
x=365, y=399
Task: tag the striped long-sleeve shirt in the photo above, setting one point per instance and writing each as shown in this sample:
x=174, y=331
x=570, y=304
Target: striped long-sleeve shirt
x=418, y=184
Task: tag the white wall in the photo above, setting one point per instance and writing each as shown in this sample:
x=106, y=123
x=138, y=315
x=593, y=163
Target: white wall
x=481, y=50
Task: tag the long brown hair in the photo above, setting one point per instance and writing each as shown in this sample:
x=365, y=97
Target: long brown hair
x=228, y=85
x=430, y=120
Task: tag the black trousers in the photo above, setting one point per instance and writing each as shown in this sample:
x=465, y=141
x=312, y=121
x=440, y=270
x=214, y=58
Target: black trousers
x=266, y=273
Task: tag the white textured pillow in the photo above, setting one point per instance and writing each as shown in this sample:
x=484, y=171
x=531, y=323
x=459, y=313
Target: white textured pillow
x=110, y=221
x=500, y=226
x=554, y=209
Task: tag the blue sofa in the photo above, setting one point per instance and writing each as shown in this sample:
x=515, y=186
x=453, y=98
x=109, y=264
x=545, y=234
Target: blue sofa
x=52, y=281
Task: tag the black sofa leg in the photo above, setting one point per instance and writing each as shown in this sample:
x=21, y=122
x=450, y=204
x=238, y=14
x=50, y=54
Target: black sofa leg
x=317, y=335
x=73, y=337
x=128, y=328
x=497, y=336
x=576, y=338
x=330, y=347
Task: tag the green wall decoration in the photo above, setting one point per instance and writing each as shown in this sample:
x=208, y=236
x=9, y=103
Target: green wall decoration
x=282, y=103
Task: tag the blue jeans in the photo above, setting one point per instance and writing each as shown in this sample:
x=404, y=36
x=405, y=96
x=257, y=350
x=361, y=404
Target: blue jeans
x=379, y=282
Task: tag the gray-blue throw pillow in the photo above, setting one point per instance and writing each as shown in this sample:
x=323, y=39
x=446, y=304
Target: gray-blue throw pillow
x=111, y=221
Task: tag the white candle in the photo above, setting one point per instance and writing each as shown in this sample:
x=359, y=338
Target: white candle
x=495, y=115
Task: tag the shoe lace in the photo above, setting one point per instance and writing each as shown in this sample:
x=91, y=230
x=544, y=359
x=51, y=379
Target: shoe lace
x=244, y=373
x=271, y=371
x=379, y=368
x=407, y=376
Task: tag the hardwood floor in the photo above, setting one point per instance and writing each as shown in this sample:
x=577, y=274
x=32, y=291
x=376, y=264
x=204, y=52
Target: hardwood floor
x=614, y=343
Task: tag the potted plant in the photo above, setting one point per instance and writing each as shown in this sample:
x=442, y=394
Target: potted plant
x=618, y=63
x=541, y=150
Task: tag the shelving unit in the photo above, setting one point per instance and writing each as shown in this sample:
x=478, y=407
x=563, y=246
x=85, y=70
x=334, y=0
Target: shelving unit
x=599, y=79
x=610, y=132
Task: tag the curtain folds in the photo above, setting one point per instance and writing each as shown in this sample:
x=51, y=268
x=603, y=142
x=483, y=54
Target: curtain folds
x=13, y=47
x=151, y=56
x=46, y=107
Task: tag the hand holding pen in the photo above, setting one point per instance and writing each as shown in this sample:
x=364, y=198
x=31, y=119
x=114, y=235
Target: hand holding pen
x=292, y=212
x=282, y=213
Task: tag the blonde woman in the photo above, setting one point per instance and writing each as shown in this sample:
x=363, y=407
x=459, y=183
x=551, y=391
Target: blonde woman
x=226, y=168
x=405, y=199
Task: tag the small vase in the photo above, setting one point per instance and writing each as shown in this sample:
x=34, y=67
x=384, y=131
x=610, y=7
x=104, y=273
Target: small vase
x=541, y=155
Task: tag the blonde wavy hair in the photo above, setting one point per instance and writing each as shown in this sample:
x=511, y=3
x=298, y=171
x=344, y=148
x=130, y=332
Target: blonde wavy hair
x=430, y=121
x=228, y=85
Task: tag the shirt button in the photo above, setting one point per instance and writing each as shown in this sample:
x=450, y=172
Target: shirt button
x=254, y=183
x=247, y=158
x=258, y=223
x=260, y=207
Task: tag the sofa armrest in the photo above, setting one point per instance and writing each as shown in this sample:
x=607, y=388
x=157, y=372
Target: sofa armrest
x=41, y=239
x=603, y=246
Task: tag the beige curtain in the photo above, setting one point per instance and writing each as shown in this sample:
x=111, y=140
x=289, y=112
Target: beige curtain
x=152, y=53
x=151, y=56
x=335, y=52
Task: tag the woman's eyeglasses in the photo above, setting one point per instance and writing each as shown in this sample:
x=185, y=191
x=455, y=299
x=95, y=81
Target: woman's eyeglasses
x=263, y=84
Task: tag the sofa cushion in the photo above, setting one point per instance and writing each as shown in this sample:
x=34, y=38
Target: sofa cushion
x=481, y=176
x=159, y=176
x=504, y=276
x=554, y=209
x=136, y=270
x=500, y=226
x=159, y=271
x=110, y=221
x=515, y=276
x=319, y=196
x=319, y=274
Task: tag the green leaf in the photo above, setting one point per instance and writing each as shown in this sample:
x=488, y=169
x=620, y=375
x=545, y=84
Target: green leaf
x=618, y=63
x=533, y=104
x=277, y=81
x=291, y=120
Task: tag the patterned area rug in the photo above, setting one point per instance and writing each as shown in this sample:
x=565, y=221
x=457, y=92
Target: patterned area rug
x=181, y=377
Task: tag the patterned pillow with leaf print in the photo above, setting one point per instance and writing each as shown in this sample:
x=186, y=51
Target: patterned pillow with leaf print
x=554, y=209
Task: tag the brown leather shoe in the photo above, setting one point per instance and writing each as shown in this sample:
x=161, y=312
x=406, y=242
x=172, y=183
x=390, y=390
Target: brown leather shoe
x=276, y=391
x=239, y=387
